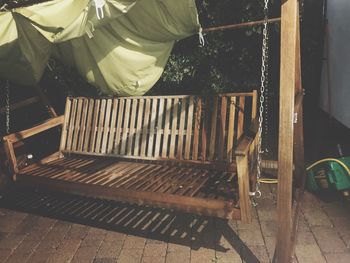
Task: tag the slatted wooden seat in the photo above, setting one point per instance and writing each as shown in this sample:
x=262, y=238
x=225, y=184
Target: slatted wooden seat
x=182, y=152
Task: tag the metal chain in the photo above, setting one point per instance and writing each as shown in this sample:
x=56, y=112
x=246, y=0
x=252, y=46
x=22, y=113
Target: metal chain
x=263, y=86
x=7, y=107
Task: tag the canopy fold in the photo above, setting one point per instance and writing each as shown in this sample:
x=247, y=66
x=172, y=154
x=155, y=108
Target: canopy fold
x=121, y=49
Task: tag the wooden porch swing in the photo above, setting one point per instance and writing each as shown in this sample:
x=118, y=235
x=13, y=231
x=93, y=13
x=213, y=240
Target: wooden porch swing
x=192, y=153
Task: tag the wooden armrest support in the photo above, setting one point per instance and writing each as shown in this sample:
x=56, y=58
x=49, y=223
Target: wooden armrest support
x=243, y=145
x=10, y=139
x=18, y=136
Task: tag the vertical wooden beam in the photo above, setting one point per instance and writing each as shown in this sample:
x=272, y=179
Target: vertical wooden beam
x=243, y=184
x=289, y=38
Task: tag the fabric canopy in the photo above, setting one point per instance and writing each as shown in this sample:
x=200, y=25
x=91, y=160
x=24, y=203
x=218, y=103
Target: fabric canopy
x=119, y=46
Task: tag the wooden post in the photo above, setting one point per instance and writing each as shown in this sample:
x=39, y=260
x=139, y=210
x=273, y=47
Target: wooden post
x=288, y=83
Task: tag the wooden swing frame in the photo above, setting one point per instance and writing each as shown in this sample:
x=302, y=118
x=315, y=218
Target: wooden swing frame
x=291, y=141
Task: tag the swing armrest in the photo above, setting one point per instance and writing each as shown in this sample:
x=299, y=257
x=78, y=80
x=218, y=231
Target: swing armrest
x=10, y=139
x=247, y=139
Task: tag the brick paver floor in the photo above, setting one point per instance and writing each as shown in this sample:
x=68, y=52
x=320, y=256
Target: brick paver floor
x=37, y=227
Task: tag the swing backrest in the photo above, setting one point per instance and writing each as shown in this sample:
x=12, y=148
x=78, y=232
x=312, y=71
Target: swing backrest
x=204, y=129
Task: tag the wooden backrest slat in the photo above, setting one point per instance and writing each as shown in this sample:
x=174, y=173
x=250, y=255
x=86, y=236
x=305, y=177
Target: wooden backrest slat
x=151, y=129
x=77, y=125
x=159, y=127
x=204, y=128
x=180, y=141
x=213, y=123
x=189, y=128
x=119, y=126
x=231, y=128
x=94, y=126
x=175, y=127
x=112, y=129
x=222, y=128
x=139, y=127
x=83, y=125
x=88, y=126
x=106, y=126
x=197, y=125
x=67, y=112
x=100, y=126
x=254, y=104
x=71, y=124
x=125, y=126
x=240, y=124
x=144, y=140
x=132, y=127
x=166, y=127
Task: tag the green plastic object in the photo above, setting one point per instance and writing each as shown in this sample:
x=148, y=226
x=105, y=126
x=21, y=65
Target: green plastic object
x=329, y=175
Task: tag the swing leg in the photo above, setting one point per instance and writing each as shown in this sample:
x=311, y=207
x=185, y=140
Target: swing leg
x=243, y=183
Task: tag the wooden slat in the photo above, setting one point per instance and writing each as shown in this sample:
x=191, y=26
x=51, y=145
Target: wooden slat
x=173, y=129
x=67, y=111
x=106, y=126
x=240, y=124
x=71, y=124
x=205, y=126
x=77, y=125
x=209, y=207
x=189, y=128
x=159, y=127
x=231, y=128
x=139, y=127
x=152, y=125
x=119, y=126
x=144, y=139
x=254, y=104
x=222, y=128
x=213, y=124
x=94, y=125
x=126, y=117
x=88, y=126
x=112, y=130
x=132, y=129
x=179, y=154
x=83, y=125
x=166, y=127
x=100, y=126
x=197, y=125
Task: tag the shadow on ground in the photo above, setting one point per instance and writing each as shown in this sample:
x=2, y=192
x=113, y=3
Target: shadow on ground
x=157, y=224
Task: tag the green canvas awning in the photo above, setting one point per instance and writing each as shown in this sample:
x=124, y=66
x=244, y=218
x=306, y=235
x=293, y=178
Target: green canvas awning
x=121, y=48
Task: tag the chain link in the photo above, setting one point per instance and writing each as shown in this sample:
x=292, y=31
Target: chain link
x=263, y=90
x=7, y=107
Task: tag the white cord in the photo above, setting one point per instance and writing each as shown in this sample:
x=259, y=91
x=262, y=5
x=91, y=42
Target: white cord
x=99, y=4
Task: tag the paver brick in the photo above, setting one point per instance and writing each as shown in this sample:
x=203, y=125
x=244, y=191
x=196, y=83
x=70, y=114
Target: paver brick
x=328, y=239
